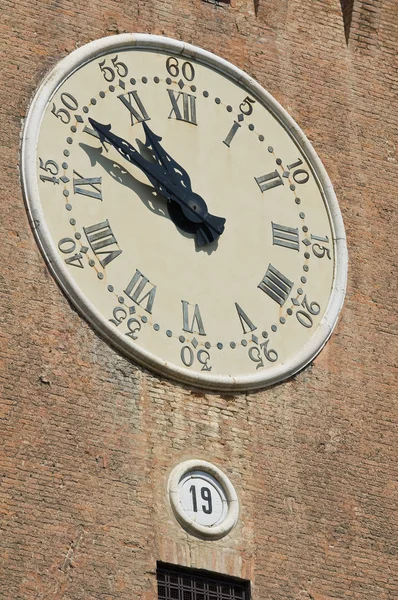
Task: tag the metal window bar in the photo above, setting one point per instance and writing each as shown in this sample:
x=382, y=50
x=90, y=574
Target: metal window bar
x=187, y=584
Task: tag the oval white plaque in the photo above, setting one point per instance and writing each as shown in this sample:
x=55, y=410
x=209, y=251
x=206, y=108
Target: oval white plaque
x=203, y=499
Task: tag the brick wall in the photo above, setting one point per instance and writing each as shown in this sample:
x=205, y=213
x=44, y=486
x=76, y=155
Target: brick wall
x=89, y=438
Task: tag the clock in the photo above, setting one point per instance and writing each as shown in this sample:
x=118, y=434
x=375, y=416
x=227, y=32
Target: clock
x=183, y=212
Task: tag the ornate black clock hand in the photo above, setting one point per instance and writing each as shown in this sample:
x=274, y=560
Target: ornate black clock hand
x=187, y=209
x=176, y=171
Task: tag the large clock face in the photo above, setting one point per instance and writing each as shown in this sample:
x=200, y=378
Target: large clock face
x=183, y=212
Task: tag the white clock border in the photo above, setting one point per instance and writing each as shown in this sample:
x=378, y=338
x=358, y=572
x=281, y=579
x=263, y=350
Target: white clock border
x=31, y=130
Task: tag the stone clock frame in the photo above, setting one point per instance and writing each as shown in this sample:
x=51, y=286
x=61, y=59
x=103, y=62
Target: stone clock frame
x=253, y=381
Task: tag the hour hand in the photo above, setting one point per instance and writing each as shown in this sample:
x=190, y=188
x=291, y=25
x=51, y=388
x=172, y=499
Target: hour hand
x=176, y=172
x=187, y=210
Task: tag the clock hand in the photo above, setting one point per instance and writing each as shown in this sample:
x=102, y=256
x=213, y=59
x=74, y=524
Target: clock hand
x=176, y=171
x=188, y=210
x=180, y=177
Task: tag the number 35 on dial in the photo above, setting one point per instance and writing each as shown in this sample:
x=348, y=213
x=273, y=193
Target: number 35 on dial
x=184, y=213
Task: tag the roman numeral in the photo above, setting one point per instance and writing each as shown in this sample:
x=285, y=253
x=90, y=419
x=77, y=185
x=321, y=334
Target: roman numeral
x=231, y=134
x=100, y=236
x=95, y=134
x=244, y=319
x=276, y=285
x=133, y=103
x=140, y=289
x=269, y=181
x=285, y=236
x=87, y=186
x=183, y=106
x=196, y=322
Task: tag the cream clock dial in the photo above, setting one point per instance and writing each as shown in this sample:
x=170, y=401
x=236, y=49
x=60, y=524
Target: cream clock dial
x=184, y=212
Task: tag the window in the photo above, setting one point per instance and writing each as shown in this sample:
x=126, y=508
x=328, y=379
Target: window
x=178, y=583
x=347, y=7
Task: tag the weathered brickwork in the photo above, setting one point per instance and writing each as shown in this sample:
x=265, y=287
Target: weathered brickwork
x=88, y=438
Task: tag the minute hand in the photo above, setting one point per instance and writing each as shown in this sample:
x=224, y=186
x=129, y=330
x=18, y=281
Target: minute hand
x=207, y=227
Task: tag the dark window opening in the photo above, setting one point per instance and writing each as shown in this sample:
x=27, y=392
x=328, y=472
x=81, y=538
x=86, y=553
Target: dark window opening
x=180, y=583
x=347, y=7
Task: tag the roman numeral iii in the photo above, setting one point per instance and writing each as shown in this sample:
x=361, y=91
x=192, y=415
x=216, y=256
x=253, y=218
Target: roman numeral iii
x=288, y=237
